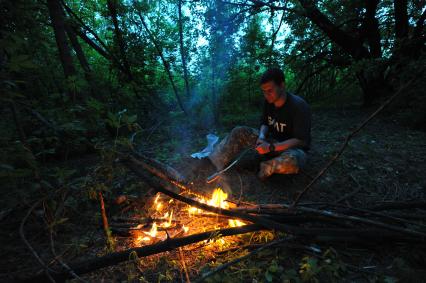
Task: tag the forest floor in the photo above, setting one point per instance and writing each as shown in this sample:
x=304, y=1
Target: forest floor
x=384, y=162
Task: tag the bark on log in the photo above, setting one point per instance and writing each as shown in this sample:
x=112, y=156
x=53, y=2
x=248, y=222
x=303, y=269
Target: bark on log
x=56, y=16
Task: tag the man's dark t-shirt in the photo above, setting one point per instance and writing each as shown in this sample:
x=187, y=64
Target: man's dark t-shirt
x=292, y=120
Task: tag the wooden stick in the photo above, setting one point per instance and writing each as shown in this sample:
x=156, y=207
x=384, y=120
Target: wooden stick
x=107, y=230
x=182, y=259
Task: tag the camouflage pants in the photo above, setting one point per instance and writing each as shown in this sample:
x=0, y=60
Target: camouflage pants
x=286, y=162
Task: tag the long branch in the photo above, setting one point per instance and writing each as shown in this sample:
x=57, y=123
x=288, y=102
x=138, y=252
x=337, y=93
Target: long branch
x=92, y=264
x=335, y=215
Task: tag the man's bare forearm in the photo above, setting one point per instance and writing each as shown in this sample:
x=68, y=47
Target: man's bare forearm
x=263, y=131
x=290, y=143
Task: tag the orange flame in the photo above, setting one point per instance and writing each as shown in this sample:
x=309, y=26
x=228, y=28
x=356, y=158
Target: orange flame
x=153, y=232
x=218, y=199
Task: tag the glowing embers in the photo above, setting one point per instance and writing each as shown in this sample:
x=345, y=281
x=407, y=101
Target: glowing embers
x=171, y=218
x=164, y=221
x=235, y=223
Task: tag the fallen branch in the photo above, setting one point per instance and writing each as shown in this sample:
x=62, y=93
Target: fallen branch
x=46, y=274
x=58, y=259
x=92, y=264
x=400, y=205
x=329, y=214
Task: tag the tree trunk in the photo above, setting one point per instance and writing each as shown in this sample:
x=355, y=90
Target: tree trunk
x=82, y=59
x=56, y=16
x=78, y=50
x=112, y=7
x=214, y=93
x=401, y=19
x=182, y=51
x=370, y=29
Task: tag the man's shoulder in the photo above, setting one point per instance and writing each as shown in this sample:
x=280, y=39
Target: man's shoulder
x=296, y=98
x=297, y=101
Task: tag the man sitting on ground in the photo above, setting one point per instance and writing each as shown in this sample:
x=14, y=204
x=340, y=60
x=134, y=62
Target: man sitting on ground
x=284, y=136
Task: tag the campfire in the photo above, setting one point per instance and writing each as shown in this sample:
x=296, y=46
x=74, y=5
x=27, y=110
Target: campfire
x=194, y=229
x=170, y=218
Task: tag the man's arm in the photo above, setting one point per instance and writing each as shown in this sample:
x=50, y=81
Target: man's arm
x=263, y=131
x=264, y=147
x=290, y=143
x=262, y=134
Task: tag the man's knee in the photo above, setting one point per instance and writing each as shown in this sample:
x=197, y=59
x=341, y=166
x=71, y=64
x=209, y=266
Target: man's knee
x=241, y=130
x=289, y=162
x=244, y=135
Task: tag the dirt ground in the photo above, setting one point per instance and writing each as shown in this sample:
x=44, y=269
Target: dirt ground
x=384, y=162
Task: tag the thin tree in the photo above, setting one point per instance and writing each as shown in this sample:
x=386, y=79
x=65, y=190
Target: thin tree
x=182, y=50
x=112, y=8
x=163, y=60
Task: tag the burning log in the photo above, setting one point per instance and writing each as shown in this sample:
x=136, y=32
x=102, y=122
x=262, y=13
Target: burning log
x=167, y=189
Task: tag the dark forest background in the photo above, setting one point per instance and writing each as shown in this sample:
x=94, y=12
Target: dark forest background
x=74, y=71
x=80, y=79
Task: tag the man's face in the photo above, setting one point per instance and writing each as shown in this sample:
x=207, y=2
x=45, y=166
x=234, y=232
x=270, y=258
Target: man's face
x=272, y=91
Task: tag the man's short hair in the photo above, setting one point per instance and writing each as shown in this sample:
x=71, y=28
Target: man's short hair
x=273, y=74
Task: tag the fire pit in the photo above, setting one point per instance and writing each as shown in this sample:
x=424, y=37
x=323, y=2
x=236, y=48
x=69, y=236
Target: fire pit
x=169, y=218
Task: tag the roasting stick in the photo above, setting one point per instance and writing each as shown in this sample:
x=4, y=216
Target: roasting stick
x=216, y=175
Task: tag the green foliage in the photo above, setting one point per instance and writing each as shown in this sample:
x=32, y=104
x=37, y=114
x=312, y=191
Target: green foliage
x=330, y=267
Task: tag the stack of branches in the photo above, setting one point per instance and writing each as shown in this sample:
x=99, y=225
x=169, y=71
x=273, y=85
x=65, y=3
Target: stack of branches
x=307, y=222
x=316, y=221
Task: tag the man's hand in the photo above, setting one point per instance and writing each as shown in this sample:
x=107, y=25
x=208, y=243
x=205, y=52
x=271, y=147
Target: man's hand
x=263, y=148
x=260, y=140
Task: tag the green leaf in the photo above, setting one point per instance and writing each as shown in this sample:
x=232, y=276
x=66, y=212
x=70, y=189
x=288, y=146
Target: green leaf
x=268, y=276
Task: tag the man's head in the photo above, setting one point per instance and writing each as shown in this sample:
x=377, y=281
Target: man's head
x=272, y=84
